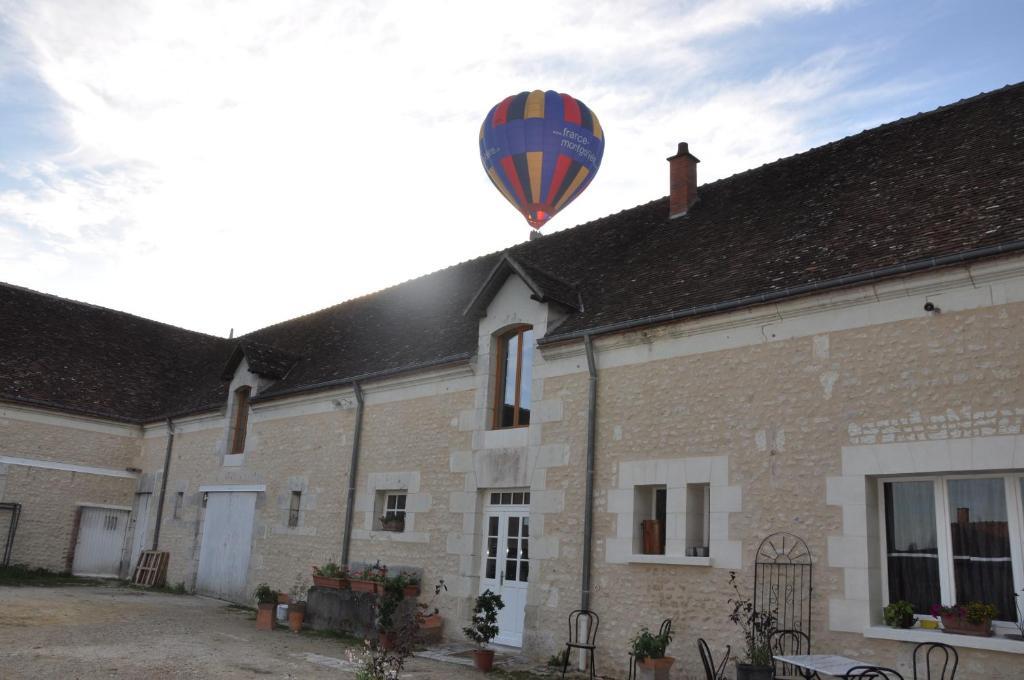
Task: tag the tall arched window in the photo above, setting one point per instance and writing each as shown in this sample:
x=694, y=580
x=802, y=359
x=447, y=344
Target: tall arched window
x=240, y=419
x=513, y=384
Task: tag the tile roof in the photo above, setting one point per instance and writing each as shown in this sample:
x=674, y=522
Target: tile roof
x=93, y=361
x=944, y=184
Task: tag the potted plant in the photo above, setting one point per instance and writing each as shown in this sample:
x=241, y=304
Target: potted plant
x=392, y=523
x=483, y=628
x=757, y=630
x=266, y=602
x=431, y=623
x=973, y=618
x=393, y=592
x=649, y=651
x=297, y=603
x=899, y=614
x=410, y=584
x=368, y=580
x=330, y=576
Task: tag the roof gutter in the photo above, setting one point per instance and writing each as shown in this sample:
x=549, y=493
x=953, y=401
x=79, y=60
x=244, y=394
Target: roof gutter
x=373, y=375
x=353, y=468
x=792, y=291
x=163, y=484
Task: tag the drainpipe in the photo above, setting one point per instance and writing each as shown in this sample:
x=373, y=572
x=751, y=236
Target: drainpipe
x=588, y=508
x=353, y=467
x=163, y=484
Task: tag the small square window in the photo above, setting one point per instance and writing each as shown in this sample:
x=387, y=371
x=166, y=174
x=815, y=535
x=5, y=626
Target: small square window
x=293, y=508
x=392, y=512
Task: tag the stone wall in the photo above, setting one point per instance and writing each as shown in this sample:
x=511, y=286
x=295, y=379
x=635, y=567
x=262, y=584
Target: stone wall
x=39, y=441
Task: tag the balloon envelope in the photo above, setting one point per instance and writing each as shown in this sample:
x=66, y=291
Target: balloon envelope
x=541, y=150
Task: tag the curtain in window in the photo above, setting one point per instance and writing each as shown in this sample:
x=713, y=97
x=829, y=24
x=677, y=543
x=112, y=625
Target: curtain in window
x=980, y=538
x=912, y=549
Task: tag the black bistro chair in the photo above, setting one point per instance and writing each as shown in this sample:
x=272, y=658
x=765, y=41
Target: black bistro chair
x=712, y=671
x=937, y=658
x=872, y=673
x=583, y=640
x=666, y=629
x=788, y=643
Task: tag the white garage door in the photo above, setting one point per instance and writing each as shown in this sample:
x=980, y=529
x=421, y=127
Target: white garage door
x=99, y=549
x=227, y=540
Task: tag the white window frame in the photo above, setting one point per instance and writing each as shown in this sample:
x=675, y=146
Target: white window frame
x=395, y=495
x=1012, y=482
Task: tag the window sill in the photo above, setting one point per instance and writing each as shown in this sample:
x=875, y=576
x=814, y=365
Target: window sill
x=391, y=536
x=994, y=643
x=234, y=459
x=670, y=559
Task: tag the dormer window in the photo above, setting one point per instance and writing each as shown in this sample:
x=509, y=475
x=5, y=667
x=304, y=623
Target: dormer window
x=240, y=419
x=513, y=384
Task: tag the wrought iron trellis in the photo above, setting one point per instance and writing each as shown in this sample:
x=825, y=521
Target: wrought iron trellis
x=782, y=582
x=12, y=527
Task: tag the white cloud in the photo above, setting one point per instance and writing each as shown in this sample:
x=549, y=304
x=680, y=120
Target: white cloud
x=314, y=151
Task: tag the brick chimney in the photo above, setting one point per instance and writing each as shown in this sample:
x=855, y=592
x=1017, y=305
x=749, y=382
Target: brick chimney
x=682, y=181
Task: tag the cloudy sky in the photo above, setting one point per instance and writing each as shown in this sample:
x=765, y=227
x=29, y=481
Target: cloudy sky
x=222, y=165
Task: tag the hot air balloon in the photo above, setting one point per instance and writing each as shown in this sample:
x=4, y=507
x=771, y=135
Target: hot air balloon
x=541, y=150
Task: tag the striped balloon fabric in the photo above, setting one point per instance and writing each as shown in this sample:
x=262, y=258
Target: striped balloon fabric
x=541, y=150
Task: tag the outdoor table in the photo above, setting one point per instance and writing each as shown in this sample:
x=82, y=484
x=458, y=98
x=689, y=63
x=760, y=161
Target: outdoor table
x=827, y=664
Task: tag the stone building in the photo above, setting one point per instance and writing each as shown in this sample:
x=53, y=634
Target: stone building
x=829, y=345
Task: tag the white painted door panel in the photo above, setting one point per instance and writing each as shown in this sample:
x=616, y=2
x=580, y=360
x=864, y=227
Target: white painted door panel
x=506, y=569
x=227, y=541
x=99, y=549
x=140, y=522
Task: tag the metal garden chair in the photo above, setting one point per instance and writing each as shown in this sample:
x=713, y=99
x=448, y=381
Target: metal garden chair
x=938, y=656
x=788, y=643
x=712, y=671
x=584, y=640
x=872, y=673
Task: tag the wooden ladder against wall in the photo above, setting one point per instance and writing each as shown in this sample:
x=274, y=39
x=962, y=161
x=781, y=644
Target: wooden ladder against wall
x=152, y=569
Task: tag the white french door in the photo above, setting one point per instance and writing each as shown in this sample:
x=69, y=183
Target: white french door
x=506, y=566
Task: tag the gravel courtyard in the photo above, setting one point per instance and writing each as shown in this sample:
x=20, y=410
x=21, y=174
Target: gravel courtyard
x=116, y=632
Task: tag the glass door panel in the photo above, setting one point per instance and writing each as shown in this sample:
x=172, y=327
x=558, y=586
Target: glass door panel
x=980, y=539
x=912, y=548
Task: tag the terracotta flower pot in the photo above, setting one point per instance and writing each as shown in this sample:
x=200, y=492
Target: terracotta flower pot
x=388, y=639
x=961, y=626
x=296, y=615
x=483, y=659
x=431, y=628
x=363, y=586
x=265, y=616
x=411, y=591
x=282, y=598
x=655, y=664
x=330, y=582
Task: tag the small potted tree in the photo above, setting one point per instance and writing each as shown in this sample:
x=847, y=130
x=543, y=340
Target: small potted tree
x=484, y=627
x=973, y=618
x=757, y=630
x=899, y=614
x=266, y=602
x=431, y=623
x=297, y=603
x=649, y=651
x=393, y=594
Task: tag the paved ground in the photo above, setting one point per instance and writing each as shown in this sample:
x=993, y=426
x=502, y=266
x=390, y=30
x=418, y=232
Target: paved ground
x=116, y=632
